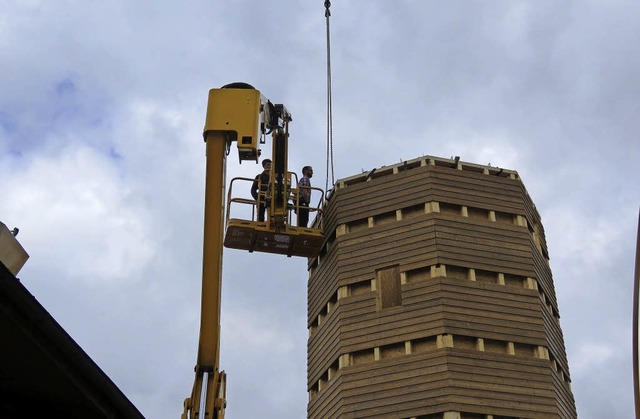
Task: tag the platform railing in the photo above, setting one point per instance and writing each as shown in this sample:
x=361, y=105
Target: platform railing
x=293, y=205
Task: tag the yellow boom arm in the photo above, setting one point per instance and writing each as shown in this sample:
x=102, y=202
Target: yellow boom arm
x=233, y=114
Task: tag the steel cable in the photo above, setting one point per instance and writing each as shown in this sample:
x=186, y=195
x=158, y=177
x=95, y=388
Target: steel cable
x=327, y=14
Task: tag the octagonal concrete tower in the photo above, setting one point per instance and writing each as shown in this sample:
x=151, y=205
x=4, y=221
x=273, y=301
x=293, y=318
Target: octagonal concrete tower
x=432, y=297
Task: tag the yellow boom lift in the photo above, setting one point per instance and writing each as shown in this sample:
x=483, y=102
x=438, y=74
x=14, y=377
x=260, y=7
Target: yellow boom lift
x=238, y=113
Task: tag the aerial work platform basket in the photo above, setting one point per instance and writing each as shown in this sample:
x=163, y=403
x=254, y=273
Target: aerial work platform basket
x=275, y=234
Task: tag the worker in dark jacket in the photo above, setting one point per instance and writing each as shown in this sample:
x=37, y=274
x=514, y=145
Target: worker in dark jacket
x=304, y=197
x=261, y=183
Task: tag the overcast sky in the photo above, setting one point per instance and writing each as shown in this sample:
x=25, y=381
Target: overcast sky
x=102, y=106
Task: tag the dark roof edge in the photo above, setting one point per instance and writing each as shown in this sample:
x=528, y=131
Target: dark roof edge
x=67, y=355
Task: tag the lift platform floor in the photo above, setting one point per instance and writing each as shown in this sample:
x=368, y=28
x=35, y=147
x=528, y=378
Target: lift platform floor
x=256, y=236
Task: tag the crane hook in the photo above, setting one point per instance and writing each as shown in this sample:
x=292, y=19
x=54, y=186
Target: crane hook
x=327, y=5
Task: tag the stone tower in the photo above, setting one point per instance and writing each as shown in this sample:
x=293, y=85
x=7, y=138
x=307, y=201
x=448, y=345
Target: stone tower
x=432, y=297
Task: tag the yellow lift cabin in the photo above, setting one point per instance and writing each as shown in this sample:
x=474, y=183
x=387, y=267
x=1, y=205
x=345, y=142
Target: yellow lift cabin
x=239, y=113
